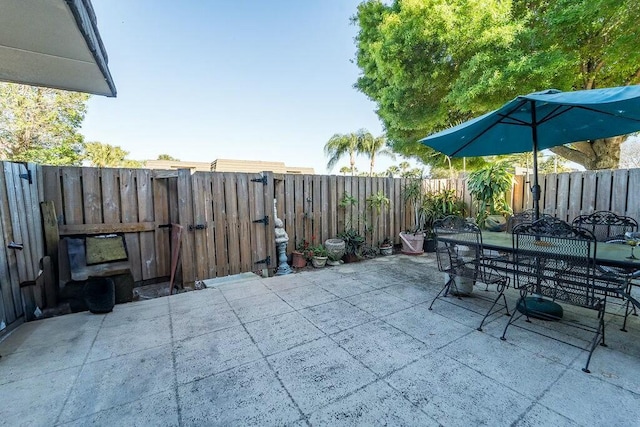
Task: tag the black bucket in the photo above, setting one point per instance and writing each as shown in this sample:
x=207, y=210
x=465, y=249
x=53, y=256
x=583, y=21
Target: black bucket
x=100, y=294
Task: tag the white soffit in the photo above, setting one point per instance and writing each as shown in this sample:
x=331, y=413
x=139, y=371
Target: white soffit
x=53, y=43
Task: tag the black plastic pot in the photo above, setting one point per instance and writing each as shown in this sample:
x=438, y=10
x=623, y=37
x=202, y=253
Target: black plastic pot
x=429, y=245
x=100, y=294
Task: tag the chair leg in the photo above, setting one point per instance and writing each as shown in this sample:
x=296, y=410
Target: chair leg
x=444, y=291
x=500, y=288
x=598, y=338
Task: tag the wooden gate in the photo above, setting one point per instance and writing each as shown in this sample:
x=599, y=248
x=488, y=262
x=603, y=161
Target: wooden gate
x=228, y=222
x=22, y=246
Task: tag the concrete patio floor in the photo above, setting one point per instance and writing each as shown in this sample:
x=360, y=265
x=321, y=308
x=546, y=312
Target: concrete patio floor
x=348, y=345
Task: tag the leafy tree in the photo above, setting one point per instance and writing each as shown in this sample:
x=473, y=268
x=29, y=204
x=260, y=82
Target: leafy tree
x=167, y=157
x=346, y=169
x=630, y=154
x=430, y=64
x=105, y=155
x=41, y=124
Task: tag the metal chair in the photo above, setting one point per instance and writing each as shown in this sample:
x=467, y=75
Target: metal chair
x=606, y=225
x=610, y=227
x=460, y=256
x=564, y=271
x=524, y=217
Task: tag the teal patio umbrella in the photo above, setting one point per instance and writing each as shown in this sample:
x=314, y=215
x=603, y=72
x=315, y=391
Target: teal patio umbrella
x=543, y=120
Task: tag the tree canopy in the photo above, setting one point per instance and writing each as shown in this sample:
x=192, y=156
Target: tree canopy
x=431, y=64
x=41, y=124
x=105, y=155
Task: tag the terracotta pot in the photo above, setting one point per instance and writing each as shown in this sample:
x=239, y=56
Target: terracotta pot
x=351, y=258
x=298, y=260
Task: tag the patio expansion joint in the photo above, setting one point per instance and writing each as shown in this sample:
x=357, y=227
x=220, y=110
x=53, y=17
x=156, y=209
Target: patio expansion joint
x=174, y=365
x=275, y=374
x=75, y=380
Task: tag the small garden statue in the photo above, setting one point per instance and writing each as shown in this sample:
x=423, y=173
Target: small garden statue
x=281, y=243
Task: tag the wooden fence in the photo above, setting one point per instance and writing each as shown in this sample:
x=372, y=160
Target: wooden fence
x=228, y=217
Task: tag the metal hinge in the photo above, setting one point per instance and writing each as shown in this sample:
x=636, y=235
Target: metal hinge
x=197, y=227
x=264, y=220
x=27, y=175
x=263, y=180
x=267, y=260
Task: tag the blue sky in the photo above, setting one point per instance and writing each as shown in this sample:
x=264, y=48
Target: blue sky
x=255, y=80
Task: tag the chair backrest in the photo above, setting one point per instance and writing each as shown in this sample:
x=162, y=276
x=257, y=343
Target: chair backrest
x=523, y=217
x=558, y=258
x=456, y=239
x=606, y=225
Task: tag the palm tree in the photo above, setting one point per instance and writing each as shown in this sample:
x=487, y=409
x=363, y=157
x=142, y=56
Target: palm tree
x=341, y=144
x=374, y=146
x=392, y=171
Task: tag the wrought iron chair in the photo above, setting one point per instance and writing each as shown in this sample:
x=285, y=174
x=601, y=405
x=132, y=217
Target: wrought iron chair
x=460, y=256
x=524, y=217
x=611, y=228
x=606, y=225
x=564, y=271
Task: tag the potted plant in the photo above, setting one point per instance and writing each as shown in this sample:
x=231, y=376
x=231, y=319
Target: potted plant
x=386, y=246
x=413, y=239
x=335, y=251
x=436, y=206
x=300, y=255
x=488, y=187
x=353, y=242
x=320, y=255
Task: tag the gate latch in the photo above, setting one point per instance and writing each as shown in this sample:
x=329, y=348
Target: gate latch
x=263, y=180
x=267, y=260
x=197, y=227
x=264, y=220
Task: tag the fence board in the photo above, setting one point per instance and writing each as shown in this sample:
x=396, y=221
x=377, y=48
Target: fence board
x=289, y=211
x=244, y=222
x=220, y=224
x=332, y=207
x=233, y=224
x=633, y=202
x=562, y=196
x=340, y=210
x=316, y=216
x=52, y=190
x=588, y=192
x=162, y=234
x=268, y=194
x=619, y=191
x=325, y=213
x=299, y=209
x=574, y=195
x=72, y=195
x=200, y=253
x=603, y=190
x=185, y=213
x=361, y=185
x=91, y=195
x=144, y=189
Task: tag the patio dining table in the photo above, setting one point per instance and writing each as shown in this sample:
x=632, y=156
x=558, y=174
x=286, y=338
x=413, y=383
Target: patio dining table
x=609, y=254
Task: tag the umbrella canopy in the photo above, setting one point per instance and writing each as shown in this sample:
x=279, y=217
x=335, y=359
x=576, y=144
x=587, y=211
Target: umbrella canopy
x=543, y=120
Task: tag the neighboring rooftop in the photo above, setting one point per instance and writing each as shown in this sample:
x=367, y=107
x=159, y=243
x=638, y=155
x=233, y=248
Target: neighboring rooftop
x=229, y=165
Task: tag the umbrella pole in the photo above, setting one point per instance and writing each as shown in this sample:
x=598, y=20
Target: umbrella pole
x=544, y=308
x=535, y=190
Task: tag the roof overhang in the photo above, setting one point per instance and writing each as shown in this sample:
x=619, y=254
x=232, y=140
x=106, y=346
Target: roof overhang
x=53, y=43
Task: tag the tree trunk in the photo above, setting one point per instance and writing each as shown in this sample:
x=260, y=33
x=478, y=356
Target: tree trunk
x=593, y=154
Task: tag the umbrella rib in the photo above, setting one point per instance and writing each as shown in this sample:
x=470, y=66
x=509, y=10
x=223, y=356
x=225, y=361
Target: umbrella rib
x=488, y=128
